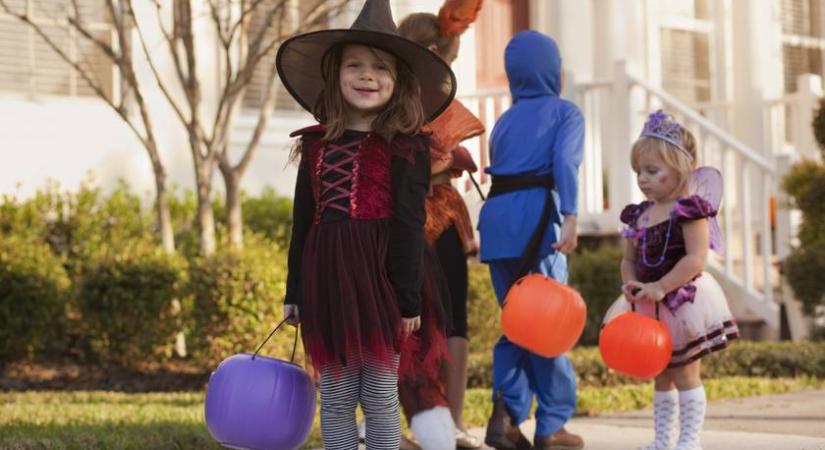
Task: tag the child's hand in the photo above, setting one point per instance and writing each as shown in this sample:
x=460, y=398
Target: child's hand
x=645, y=292
x=471, y=248
x=568, y=240
x=291, y=314
x=409, y=325
x=629, y=290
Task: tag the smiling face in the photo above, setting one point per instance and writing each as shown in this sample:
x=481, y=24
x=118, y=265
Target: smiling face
x=656, y=179
x=367, y=79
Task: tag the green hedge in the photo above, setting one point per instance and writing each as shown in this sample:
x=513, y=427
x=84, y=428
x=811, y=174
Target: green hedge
x=742, y=358
x=126, y=300
x=105, y=290
x=482, y=309
x=596, y=275
x=237, y=297
x=33, y=294
x=804, y=267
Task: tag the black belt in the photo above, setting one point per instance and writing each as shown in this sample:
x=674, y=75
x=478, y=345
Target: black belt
x=503, y=184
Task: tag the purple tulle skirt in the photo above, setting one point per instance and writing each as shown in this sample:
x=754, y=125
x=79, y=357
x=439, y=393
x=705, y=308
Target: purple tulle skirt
x=348, y=302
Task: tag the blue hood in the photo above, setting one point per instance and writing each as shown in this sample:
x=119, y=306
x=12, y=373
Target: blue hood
x=533, y=66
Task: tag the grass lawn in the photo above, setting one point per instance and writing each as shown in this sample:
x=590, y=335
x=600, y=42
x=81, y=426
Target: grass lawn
x=84, y=420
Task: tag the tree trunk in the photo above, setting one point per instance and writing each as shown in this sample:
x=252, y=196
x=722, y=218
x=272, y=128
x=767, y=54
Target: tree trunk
x=234, y=219
x=167, y=234
x=206, y=215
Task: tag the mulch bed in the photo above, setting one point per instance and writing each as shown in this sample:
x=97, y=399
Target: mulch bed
x=72, y=376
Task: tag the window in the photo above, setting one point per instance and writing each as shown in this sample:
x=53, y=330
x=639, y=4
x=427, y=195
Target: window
x=802, y=39
x=29, y=66
x=296, y=12
x=685, y=39
x=686, y=65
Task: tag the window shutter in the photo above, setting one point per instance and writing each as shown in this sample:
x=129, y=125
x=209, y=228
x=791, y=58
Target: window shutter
x=28, y=65
x=685, y=48
x=686, y=64
x=803, y=40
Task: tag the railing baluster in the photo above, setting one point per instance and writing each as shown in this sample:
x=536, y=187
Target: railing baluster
x=728, y=211
x=482, y=145
x=747, y=226
x=765, y=236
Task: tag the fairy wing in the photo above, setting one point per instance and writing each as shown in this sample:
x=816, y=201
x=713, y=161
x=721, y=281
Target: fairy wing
x=706, y=182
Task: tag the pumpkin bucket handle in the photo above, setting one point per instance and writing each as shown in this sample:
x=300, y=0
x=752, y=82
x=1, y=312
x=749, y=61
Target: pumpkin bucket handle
x=633, y=306
x=277, y=327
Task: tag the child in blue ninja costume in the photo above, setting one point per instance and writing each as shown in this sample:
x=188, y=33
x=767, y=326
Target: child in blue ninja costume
x=528, y=225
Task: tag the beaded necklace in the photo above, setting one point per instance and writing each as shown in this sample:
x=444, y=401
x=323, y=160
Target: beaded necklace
x=644, y=240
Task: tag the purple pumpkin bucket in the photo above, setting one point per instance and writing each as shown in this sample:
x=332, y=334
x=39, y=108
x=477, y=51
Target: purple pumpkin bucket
x=255, y=402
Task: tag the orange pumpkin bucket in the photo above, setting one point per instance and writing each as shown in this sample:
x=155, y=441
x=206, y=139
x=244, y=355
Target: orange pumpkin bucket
x=543, y=316
x=635, y=345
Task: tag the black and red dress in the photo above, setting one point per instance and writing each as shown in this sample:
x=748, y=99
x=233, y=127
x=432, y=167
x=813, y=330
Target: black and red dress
x=357, y=243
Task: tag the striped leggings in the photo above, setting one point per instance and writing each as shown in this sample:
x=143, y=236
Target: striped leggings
x=374, y=385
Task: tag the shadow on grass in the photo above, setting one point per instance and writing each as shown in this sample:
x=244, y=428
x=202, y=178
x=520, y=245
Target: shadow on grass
x=92, y=398
x=159, y=435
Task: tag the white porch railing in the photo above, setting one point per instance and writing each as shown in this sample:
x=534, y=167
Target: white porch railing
x=789, y=118
x=755, y=219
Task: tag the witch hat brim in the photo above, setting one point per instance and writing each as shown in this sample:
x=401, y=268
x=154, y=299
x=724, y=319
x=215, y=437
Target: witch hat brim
x=299, y=59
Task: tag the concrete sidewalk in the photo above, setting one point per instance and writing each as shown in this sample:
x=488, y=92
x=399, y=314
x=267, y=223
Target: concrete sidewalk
x=793, y=421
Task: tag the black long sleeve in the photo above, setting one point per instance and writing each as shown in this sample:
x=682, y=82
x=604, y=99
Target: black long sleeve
x=303, y=209
x=410, y=183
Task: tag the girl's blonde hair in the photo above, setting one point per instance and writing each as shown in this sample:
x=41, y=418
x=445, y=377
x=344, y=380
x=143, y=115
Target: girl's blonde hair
x=672, y=156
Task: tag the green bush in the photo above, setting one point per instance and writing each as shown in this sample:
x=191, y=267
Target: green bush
x=818, y=126
x=596, y=275
x=33, y=293
x=77, y=225
x=126, y=301
x=483, y=312
x=742, y=358
x=804, y=266
x=268, y=214
x=237, y=297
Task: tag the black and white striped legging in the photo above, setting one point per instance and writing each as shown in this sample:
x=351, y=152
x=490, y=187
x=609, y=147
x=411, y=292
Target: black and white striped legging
x=373, y=384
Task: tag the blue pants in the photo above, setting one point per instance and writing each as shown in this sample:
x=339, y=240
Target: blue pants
x=519, y=374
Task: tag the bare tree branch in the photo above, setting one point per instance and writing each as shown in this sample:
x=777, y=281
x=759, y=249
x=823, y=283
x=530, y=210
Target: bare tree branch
x=228, y=70
x=263, y=117
x=129, y=72
x=216, y=19
x=313, y=18
x=170, y=41
x=158, y=79
x=244, y=14
x=76, y=22
x=255, y=43
x=77, y=67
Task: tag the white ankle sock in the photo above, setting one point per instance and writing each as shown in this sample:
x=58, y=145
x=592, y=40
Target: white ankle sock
x=692, y=405
x=664, y=419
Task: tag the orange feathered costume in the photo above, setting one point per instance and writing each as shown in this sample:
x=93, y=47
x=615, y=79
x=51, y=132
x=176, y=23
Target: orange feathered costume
x=424, y=357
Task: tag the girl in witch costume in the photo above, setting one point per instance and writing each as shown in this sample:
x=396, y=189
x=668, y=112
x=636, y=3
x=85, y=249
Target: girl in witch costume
x=668, y=237
x=449, y=230
x=358, y=221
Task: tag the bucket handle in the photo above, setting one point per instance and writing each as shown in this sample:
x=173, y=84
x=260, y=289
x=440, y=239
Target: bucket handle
x=277, y=327
x=633, y=305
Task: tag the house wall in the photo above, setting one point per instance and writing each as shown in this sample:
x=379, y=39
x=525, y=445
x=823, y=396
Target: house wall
x=66, y=138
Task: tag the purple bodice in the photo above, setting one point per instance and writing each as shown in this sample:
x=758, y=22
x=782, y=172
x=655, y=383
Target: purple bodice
x=656, y=253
